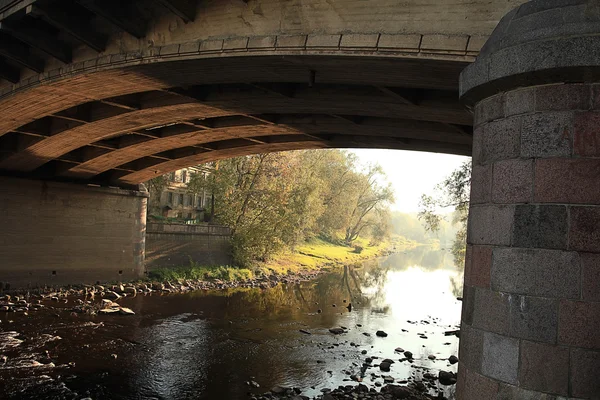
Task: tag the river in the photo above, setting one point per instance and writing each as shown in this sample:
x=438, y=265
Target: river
x=211, y=344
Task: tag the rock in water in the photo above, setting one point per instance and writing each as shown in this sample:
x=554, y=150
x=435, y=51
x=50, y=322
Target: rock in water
x=384, y=366
x=381, y=334
x=108, y=310
x=126, y=311
x=447, y=378
x=336, y=331
x=408, y=355
x=452, y=359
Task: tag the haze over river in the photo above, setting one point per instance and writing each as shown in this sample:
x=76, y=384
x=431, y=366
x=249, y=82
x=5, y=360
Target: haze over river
x=211, y=344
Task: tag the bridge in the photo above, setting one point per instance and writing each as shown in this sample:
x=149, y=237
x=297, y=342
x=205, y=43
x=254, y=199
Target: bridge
x=99, y=96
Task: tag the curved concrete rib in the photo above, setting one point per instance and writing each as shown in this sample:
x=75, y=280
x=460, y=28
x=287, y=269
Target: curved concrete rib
x=57, y=145
x=291, y=142
x=173, y=165
x=319, y=126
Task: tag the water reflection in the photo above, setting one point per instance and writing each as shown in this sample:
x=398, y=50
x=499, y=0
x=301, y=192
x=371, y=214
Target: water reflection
x=206, y=345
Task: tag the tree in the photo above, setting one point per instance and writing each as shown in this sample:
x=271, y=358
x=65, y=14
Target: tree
x=274, y=201
x=453, y=192
x=369, y=200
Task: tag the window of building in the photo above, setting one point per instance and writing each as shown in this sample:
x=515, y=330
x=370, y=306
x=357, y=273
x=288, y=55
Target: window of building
x=189, y=216
x=181, y=198
x=184, y=177
x=190, y=200
x=170, y=197
x=172, y=176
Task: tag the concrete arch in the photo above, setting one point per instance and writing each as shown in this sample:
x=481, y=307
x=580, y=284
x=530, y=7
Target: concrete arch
x=104, y=74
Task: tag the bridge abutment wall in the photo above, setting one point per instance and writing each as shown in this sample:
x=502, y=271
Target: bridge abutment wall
x=59, y=233
x=176, y=245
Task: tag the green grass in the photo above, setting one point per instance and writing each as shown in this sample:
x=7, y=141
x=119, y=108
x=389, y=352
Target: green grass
x=195, y=271
x=309, y=256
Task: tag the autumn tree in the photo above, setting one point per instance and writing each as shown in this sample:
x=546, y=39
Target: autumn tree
x=452, y=192
x=274, y=201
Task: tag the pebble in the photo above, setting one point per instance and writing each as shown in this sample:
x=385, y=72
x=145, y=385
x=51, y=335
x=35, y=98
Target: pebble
x=381, y=334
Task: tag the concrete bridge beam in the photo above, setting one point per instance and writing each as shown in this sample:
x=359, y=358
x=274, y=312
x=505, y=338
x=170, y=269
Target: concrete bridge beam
x=531, y=309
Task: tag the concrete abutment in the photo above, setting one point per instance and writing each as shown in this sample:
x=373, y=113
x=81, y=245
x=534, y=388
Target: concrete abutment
x=531, y=309
x=59, y=233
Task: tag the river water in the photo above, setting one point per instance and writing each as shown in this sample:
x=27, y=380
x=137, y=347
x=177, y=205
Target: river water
x=210, y=344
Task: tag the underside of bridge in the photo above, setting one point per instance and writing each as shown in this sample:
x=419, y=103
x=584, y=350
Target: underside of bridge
x=224, y=107
x=95, y=92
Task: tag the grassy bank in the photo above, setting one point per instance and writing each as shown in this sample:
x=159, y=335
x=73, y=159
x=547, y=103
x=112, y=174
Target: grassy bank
x=310, y=256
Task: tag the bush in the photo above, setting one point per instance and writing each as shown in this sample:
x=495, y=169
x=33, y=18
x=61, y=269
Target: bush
x=358, y=249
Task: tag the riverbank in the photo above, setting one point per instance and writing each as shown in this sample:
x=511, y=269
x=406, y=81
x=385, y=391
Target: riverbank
x=309, y=258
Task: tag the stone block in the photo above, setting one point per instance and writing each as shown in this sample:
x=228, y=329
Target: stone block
x=501, y=140
x=468, y=263
x=536, y=272
x=489, y=109
x=211, y=45
x=490, y=224
x=481, y=265
x=91, y=63
x=520, y=101
x=491, y=311
x=540, y=226
x=476, y=386
x=355, y=40
x=534, y=318
x=544, y=368
x=565, y=180
x=116, y=58
x=331, y=41
x=477, y=150
x=579, y=324
x=189, y=47
x=585, y=365
x=596, y=96
x=261, y=42
x=500, y=358
x=590, y=276
x=547, y=134
x=400, y=42
x=468, y=304
x=511, y=392
x=444, y=43
x=475, y=44
x=471, y=347
x=481, y=184
x=169, y=50
x=584, y=233
x=512, y=181
x=235, y=43
x=586, y=140
x=562, y=97
x=291, y=41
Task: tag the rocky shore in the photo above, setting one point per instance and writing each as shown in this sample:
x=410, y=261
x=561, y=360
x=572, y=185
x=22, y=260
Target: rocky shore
x=414, y=391
x=93, y=299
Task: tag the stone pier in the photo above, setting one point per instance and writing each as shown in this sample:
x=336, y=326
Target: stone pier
x=58, y=233
x=531, y=310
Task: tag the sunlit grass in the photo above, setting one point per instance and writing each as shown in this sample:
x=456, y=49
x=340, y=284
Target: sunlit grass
x=195, y=272
x=312, y=255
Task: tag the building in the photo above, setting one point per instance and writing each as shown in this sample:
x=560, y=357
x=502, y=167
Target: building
x=174, y=200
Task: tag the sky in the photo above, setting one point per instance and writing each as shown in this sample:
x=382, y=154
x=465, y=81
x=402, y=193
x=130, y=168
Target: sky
x=411, y=173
